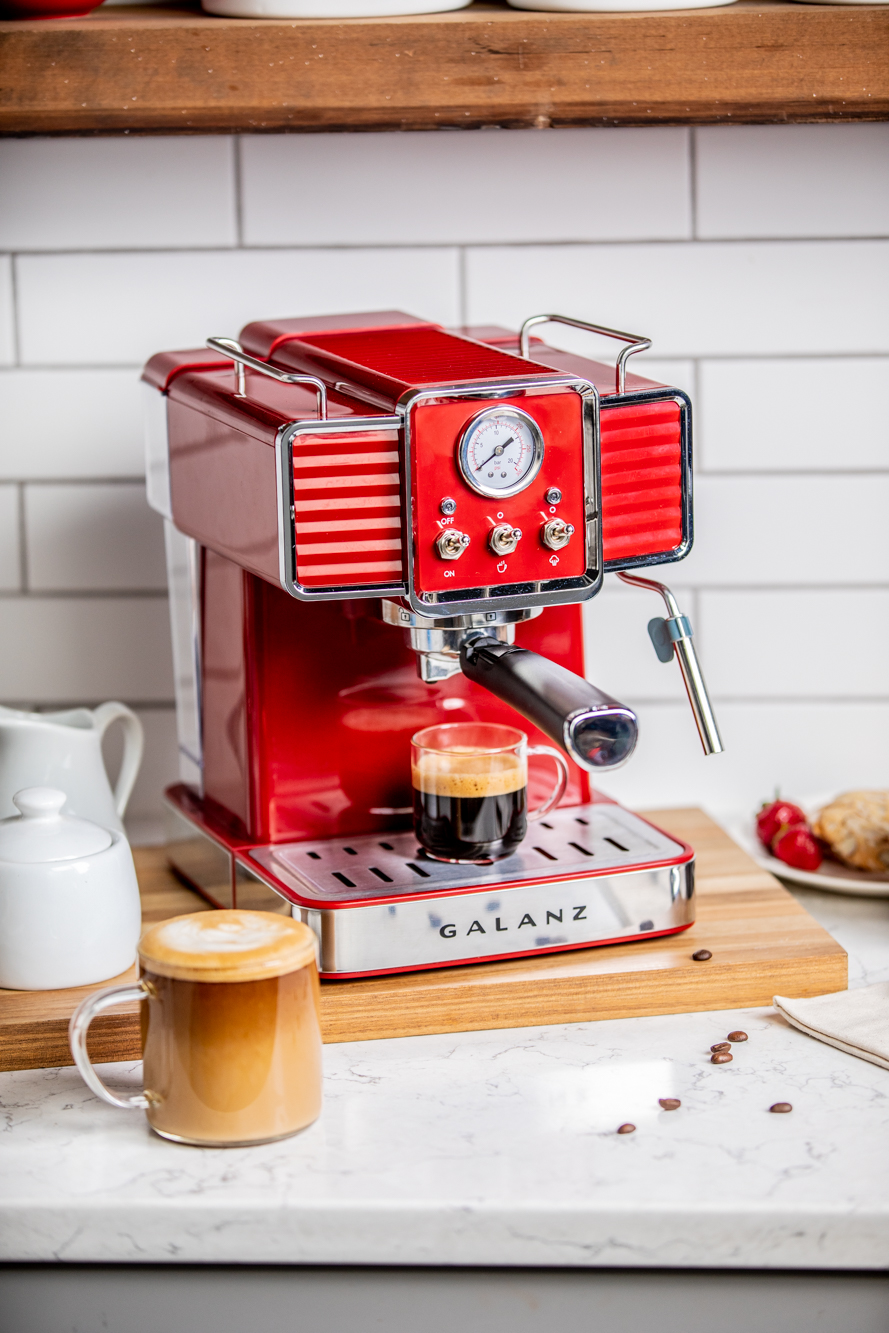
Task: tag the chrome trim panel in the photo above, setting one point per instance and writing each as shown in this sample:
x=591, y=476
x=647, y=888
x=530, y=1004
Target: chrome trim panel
x=546, y=592
x=476, y=927
x=685, y=448
x=287, y=518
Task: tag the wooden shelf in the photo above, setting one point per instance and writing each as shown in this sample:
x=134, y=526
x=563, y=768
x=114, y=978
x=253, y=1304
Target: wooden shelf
x=761, y=941
x=174, y=69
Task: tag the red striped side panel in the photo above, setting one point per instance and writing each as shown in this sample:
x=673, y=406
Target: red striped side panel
x=347, y=503
x=641, y=480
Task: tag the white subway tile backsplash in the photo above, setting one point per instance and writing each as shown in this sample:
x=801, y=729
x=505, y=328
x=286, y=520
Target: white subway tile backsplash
x=761, y=530
x=7, y=313
x=697, y=299
x=610, y=221
x=806, y=750
x=793, y=180
x=96, y=194
x=70, y=423
x=434, y=188
x=85, y=649
x=10, y=566
x=128, y=306
x=805, y=643
x=679, y=374
x=620, y=657
x=823, y=414
x=85, y=538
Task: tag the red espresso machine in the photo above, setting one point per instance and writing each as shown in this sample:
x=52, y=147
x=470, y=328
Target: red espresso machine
x=375, y=524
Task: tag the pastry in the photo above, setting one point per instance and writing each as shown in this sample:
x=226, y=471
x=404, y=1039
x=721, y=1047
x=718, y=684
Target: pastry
x=856, y=829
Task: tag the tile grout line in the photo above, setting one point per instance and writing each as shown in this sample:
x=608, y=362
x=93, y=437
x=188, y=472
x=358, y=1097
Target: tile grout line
x=693, y=180
x=452, y=244
x=238, y=181
x=743, y=357
x=14, y=302
x=156, y=594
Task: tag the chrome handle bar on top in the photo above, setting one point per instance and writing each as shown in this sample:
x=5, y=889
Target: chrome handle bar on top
x=243, y=361
x=636, y=341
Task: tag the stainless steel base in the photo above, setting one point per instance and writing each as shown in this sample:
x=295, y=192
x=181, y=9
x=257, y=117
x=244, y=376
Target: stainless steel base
x=586, y=875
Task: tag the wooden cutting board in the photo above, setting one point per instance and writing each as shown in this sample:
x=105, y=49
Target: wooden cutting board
x=763, y=943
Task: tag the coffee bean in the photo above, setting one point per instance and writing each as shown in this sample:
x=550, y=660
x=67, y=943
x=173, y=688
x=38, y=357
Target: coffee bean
x=721, y=1046
x=626, y=1129
x=781, y=1108
x=737, y=1036
x=720, y=1058
x=702, y=955
x=669, y=1103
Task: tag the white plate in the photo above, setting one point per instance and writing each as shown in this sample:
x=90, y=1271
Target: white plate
x=328, y=9
x=830, y=875
x=627, y=6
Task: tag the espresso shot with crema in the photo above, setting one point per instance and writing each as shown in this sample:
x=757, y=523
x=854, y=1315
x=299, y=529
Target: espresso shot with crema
x=470, y=790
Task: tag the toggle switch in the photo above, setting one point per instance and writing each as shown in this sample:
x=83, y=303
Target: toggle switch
x=556, y=534
x=451, y=544
x=504, y=538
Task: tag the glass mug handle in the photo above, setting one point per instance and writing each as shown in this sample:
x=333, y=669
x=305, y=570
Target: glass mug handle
x=83, y=1015
x=561, y=780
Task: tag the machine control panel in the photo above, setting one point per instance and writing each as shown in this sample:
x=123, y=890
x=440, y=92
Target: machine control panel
x=498, y=490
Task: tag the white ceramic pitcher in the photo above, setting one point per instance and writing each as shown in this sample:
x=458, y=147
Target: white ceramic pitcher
x=64, y=750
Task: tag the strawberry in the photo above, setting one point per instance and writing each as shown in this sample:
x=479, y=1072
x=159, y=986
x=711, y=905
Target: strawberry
x=796, y=846
x=772, y=815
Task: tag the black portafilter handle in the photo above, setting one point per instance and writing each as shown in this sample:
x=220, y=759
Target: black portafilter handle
x=595, y=730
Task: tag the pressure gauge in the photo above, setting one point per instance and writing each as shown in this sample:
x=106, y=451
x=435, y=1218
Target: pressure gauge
x=500, y=452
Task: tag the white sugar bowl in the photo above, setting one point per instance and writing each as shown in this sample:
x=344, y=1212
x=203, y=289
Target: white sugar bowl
x=69, y=900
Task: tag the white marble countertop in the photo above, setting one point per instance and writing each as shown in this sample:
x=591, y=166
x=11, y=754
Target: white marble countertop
x=494, y=1148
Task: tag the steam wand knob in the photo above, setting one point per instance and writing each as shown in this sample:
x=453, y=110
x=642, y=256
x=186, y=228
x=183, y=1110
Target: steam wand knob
x=674, y=635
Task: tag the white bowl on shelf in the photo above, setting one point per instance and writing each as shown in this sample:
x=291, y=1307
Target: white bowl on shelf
x=328, y=9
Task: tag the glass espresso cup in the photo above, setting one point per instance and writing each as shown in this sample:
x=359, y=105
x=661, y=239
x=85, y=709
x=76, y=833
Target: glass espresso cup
x=470, y=784
x=231, y=1040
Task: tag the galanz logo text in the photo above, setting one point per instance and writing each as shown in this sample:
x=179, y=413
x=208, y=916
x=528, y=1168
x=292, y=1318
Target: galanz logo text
x=449, y=931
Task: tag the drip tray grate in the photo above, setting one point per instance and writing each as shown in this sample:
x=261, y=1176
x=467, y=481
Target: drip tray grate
x=587, y=840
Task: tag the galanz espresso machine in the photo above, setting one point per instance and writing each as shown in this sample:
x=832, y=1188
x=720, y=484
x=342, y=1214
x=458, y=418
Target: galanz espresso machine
x=375, y=525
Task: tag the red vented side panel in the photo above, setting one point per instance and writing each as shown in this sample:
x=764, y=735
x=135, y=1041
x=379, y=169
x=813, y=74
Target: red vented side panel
x=641, y=479
x=347, y=505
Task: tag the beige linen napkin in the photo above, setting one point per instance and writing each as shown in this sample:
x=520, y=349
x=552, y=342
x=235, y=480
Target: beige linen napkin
x=856, y=1021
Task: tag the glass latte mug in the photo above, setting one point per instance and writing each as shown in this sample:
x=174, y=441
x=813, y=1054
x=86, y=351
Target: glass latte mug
x=470, y=782
x=231, y=1041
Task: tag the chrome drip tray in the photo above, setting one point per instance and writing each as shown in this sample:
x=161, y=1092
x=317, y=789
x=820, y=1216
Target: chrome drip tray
x=588, y=840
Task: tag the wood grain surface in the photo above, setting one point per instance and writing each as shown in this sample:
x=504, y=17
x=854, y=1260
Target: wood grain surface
x=761, y=940
x=173, y=69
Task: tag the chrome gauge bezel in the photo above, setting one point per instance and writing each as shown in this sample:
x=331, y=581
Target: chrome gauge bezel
x=509, y=413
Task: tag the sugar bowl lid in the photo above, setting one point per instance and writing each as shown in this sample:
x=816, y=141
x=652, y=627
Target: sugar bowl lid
x=42, y=833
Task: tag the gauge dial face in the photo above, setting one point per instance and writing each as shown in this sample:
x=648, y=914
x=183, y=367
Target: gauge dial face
x=500, y=452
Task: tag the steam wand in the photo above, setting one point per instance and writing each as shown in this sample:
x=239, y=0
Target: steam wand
x=675, y=634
